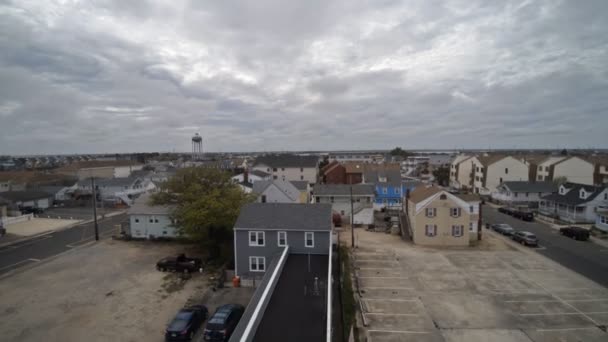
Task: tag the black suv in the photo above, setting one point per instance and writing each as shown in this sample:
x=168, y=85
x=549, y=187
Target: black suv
x=221, y=325
x=186, y=323
x=577, y=233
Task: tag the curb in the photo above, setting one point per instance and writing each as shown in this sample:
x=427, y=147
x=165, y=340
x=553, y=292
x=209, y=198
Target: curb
x=32, y=237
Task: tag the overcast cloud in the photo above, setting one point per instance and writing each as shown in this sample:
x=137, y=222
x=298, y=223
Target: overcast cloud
x=125, y=76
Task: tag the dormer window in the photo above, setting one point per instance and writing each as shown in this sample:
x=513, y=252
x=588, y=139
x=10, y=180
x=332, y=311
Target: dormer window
x=562, y=190
x=583, y=194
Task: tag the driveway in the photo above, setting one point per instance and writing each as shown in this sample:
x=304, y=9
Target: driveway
x=584, y=257
x=497, y=292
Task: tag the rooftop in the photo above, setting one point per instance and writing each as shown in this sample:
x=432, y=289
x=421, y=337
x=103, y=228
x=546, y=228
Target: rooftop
x=97, y=164
x=19, y=196
x=300, y=185
x=287, y=160
x=572, y=197
x=286, y=187
x=392, y=176
x=142, y=206
x=343, y=190
x=287, y=216
x=524, y=186
x=421, y=193
x=297, y=309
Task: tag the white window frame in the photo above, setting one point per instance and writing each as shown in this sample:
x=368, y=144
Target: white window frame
x=306, y=239
x=432, y=232
x=137, y=220
x=471, y=209
x=397, y=191
x=257, y=264
x=432, y=211
x=257, y=239
x=284, y=233
x=457, y=230
x=384, y=190
x=470, y=226
x=455, y=212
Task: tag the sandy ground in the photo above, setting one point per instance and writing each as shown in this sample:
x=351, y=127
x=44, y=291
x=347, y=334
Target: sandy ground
x=37, y=226
x=110, y=291
x=497, y=291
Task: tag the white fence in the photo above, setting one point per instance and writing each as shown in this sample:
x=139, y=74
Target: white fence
x=16, y=219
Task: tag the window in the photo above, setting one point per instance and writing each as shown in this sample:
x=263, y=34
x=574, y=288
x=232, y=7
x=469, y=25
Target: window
x=443, y=197
x=506, y=170
x=282, y=169
x=151, y=219
x=331, y=199
x=515, y=194
x=263, y=199
x=603, y=219
x=274, y=169
x=430, y=230
x=540, y=168
x=477, y=178
x=136, y=220
x=155, y=219
x=606, y=196
x=470, y=226
x=540, y=178
x=430, y=212
x=546, y=168
x=500, y=180
x=471, y=209
x=301, y=177
x=281, y=239
x=527, y=193
x=457, y=231
x=342, y=212
x=309, y=239
x=257, y=264
x=256, y=238
x=384, y=190
x=397, y=191
x=274, y=177
x=455, y=212
x=301, y=169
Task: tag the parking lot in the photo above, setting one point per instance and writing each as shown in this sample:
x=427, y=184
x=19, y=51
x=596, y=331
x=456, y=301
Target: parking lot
x=108, y=291
x=506, y=293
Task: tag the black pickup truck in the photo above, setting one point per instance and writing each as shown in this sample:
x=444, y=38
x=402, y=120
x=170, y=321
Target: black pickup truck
x=180, y=263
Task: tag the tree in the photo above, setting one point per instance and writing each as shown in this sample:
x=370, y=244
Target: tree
x=324, y=162
x=560, y=180
x=207, y=206
x=398, y=151
x=442, y=175
x=564, y=152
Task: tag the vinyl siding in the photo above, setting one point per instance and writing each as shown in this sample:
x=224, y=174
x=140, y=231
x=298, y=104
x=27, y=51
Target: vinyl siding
x=145, y=230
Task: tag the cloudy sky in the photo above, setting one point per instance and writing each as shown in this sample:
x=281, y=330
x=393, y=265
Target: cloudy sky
x=125, y=76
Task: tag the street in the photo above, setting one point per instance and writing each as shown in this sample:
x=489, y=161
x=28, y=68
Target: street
x=583, y=257
x=39, y=248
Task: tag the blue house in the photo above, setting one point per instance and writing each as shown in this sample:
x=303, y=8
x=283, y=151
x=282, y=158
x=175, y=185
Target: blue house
x=390, y=189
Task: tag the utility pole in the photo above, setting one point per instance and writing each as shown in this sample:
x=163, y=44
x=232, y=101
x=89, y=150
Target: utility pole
x=352, y=219
x=94, y=208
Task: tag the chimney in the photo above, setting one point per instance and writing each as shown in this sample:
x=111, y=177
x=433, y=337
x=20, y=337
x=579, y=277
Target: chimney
x=246, y=176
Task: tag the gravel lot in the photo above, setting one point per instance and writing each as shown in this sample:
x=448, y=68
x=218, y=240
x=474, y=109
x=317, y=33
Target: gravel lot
x=106, y=292
x=498, y=291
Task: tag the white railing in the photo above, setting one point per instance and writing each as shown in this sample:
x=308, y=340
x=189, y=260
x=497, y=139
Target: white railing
x=16, y=219
x=329, y=301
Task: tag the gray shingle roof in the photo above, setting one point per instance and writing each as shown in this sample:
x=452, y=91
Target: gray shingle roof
x=300, y=185
x=343, y=190
x=101, y=182
x=288, y=216
x=393, y=177
x=287, y=160
x=141, y=207
x=285, y=186
x=523, y=186
x=572, y=197
x=260, y=173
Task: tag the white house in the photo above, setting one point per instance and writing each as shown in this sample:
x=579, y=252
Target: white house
x=114, y=189
x=523, y=192
x=575, y=203
x=289, y=167
x=601, y=220
x=147, y=221
x=339, y=196
x=30, y=198
x=491, y=170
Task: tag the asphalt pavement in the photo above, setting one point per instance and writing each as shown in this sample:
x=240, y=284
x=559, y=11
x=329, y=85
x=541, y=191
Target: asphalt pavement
x=36, y=249
x=583, y=257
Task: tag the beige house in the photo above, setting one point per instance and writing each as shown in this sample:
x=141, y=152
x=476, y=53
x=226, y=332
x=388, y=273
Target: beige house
x=541, y=169
x=439, y=218
x=100, y=169
x=492, y=170
x=601, y=170
x=575, y=170
x=460, y=172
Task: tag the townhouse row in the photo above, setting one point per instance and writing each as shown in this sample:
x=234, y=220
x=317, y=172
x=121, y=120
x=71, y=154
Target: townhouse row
x=483, y=174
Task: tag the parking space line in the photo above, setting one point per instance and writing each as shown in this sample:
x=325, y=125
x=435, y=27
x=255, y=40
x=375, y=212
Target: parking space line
x=391, y=300
x=532, y=301
x=587, y=300
x=33, y=259
x=384, y=277
x=566, y=329
x=375, y=268
x=552, y=314
x=390, y=314
x=400, y=331
x=387, y=287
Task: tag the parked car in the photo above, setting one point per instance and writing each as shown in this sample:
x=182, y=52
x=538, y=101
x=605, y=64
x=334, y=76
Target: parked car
x=505, y=210
x=180, y=263
x=31, y=210
x=186, y=323
x=525, y=238
x=577, y=233
x=523, y=214
x=503, y=229
x=222, y=323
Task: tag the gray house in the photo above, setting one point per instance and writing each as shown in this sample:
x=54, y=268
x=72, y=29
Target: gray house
x=523, y=192
x=575, y=203
x=263, y=230
x=277, y=191
x=339, y=195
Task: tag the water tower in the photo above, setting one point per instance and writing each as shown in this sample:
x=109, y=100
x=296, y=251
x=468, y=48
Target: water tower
x=197, y=147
